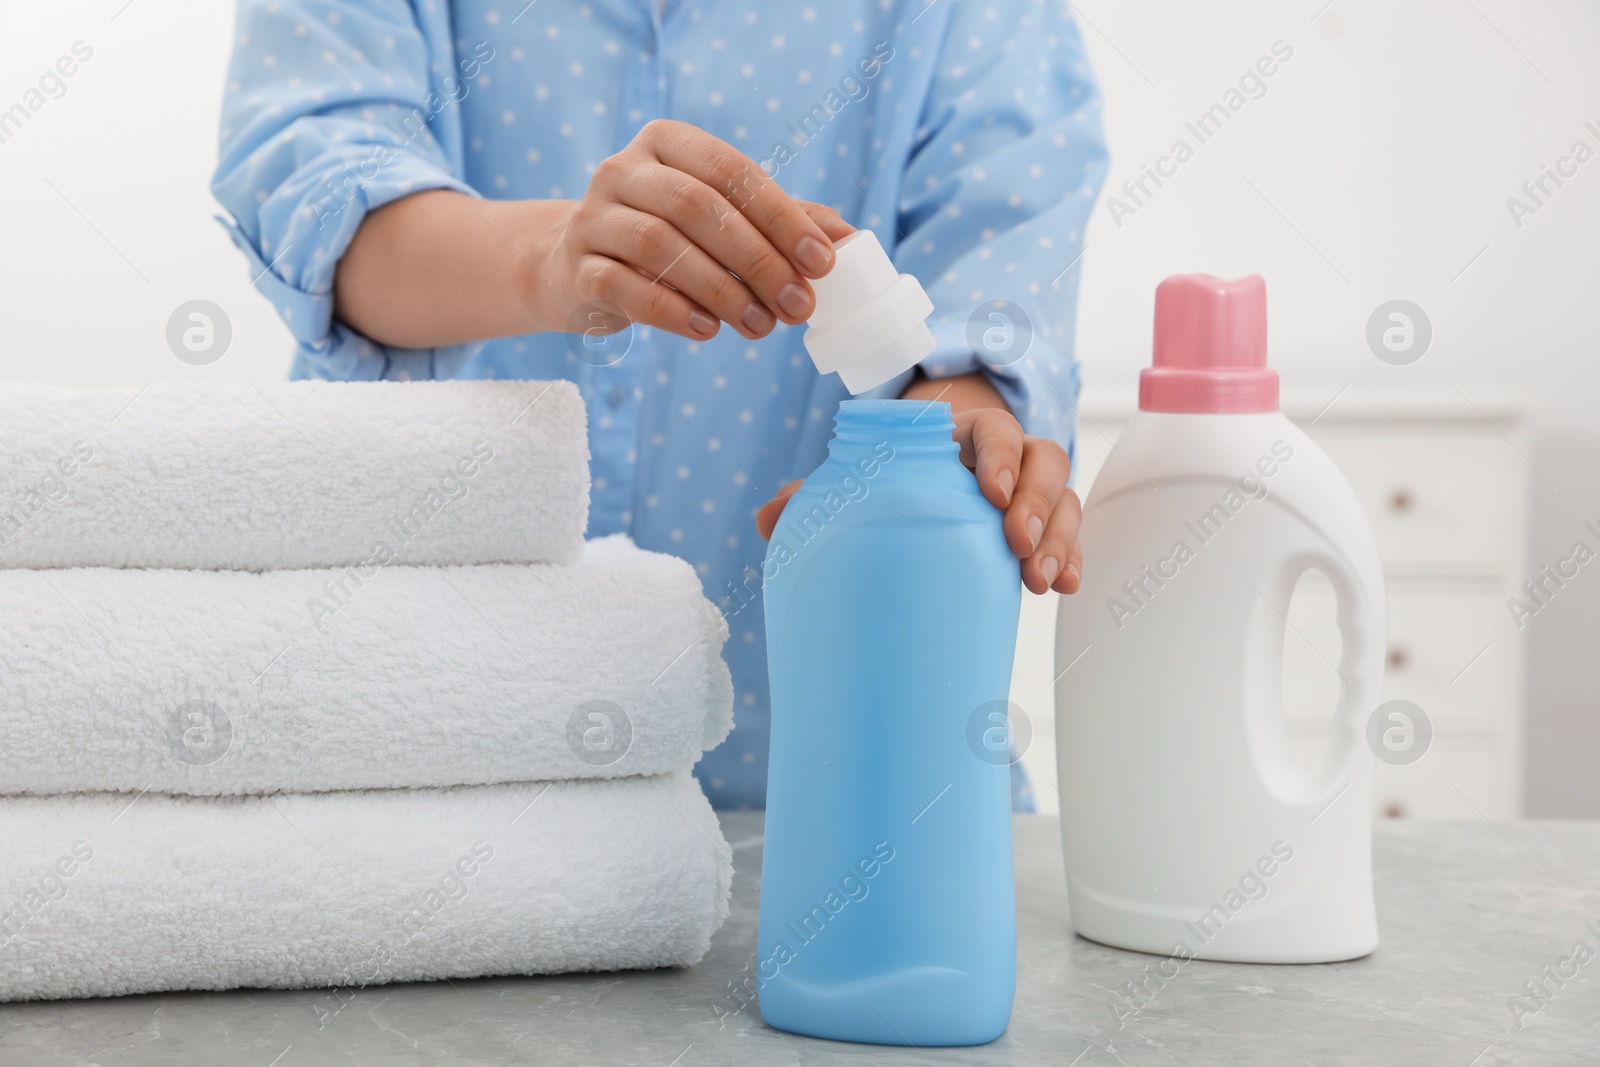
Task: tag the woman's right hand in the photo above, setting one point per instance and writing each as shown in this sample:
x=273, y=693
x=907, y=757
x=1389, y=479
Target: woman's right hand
x=682, y=232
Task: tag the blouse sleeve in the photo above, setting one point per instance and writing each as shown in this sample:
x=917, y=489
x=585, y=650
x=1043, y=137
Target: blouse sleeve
x=333, y=109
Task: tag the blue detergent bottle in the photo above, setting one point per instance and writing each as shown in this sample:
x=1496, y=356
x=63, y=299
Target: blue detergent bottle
x=888, y=912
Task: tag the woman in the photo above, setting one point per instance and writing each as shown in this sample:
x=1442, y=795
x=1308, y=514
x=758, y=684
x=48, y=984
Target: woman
x=633, y=194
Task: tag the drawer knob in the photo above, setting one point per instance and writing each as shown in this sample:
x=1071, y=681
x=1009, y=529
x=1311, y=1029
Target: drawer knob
x=1394, y=810
x=1401, y=501
x=1399, y=658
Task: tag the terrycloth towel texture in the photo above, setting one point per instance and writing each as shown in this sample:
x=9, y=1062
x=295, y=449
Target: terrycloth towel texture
x=292, y=474
x=221, y=682
x=106, y=894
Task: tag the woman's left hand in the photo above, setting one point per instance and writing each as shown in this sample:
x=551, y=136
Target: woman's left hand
x=1026, y=477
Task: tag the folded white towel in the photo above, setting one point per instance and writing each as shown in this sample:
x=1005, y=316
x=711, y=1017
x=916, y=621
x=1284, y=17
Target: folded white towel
x=103, y=895
x=292, y=474
x=225, y=682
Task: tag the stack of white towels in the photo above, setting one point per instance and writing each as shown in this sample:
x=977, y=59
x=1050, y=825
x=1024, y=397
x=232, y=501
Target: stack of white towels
x=318, y=685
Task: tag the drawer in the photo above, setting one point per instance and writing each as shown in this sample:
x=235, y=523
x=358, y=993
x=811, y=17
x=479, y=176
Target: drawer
x=1447, y=783
x=1442, y=654
x=1431, y=495
x=1439, y=785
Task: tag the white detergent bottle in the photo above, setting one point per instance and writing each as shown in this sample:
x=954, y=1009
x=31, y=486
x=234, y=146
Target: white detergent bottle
x=1187, y=828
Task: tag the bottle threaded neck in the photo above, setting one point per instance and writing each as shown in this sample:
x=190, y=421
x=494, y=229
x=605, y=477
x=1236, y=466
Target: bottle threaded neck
x=902, y=423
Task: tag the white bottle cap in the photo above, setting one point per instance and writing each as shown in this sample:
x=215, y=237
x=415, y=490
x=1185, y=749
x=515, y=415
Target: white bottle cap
x=868, y=323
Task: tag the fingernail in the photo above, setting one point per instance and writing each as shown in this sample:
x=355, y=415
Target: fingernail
x=1008, y=481
x=1049, y=567
x=1035, y=531
x=757, y=319
x=700, y=322
x=813, y=256
x=795, y=301
x=1072, y=572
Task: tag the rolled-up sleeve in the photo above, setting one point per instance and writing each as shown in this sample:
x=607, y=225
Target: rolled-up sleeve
x=997, y=192
x=332, y=110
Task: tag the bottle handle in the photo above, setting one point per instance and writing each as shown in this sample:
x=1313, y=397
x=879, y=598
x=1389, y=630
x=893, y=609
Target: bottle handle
x=1360, y=685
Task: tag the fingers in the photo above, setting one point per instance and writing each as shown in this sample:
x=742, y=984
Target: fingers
x=727, y=205
x=767, y=517
x=1026, y=477
x=722, y=230
x=1058, y=561
x=723, y=203
x=664, y=254
x=1071, y=578
x=621, y=290
x=739, y=179
x=991, y=443
x=831, y=222
x=1040, y=484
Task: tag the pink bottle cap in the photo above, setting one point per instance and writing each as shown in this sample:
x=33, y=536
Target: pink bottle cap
x=1210, y=347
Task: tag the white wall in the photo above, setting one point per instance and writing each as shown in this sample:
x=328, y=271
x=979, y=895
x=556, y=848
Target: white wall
x=92, y=271
x=1377, y=165
x=1390, y=142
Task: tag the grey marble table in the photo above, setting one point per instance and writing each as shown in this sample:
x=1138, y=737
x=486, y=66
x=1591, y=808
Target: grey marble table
x=1469, y=913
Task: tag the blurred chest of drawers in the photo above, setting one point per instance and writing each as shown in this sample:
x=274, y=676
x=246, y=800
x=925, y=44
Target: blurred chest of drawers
x=1444, y=480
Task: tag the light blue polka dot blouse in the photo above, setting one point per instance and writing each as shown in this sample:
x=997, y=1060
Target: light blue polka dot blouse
x=965, y=133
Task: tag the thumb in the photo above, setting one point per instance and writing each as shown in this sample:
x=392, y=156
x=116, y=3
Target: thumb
x=767, y=517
